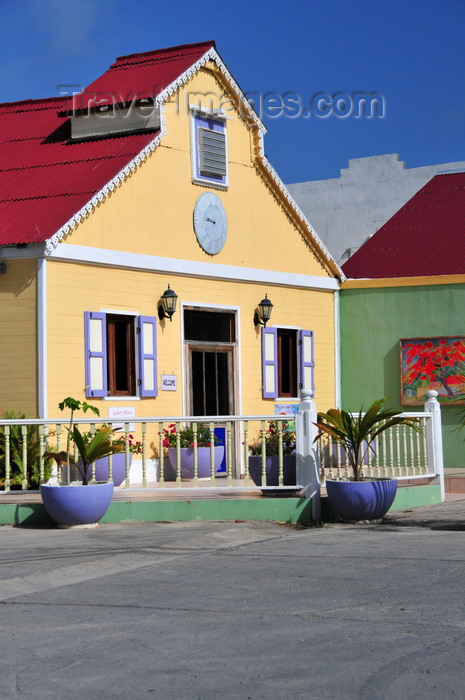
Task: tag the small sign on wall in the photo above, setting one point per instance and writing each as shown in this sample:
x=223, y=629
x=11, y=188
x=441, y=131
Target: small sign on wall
x=286, y=408
x=283, y=408
x=123, y=415
x=168, y=382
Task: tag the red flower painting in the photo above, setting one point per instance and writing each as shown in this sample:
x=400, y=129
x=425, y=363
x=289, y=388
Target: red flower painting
x=433, y=363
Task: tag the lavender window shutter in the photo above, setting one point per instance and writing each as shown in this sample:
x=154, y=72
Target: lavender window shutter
x=270, y=362
x=95, y=344
x=147, y=339
x=306, y=359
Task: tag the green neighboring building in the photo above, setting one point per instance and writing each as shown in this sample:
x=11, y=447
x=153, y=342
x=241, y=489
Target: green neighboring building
x=407, y=282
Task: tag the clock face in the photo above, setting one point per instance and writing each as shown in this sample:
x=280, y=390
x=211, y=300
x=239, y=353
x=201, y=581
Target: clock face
x=210, y=223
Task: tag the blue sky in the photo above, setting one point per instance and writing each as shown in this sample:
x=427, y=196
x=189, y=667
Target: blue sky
x=411, y=52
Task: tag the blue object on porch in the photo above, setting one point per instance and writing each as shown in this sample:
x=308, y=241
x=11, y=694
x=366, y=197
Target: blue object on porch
x=77, y=505
x=221, y=436
x=187, y=462
x=272, y=470
x=361, y=500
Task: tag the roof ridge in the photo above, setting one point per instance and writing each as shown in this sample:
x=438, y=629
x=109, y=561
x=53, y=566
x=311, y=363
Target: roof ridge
x=46, y=195
x=34, y=101
x=58, y=163
x=441, y=173
x=211, y=44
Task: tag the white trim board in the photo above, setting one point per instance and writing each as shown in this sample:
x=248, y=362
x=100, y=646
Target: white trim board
x=152, y=263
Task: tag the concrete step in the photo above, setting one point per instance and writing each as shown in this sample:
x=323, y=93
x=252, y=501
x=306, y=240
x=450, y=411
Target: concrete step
x=454, y=480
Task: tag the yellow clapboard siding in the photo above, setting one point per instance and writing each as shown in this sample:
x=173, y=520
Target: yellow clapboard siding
x=18, y=364
x=138, y=292
x=152, y=211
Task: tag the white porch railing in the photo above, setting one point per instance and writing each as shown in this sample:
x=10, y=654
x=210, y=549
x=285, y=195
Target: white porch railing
x=18, y=435
x=399, y=453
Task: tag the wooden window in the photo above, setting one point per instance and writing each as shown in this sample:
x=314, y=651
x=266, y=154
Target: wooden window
x=121, y=358
x=112, y=343
x=287, y=362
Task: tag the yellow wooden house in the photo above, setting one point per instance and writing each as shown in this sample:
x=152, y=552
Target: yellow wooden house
x=151, y=186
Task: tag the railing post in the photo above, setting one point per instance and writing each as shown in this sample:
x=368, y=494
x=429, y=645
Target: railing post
x=307, y=467
x=434, y=439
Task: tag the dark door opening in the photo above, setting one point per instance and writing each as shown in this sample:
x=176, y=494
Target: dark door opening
x=210, y=337
x=210, y=379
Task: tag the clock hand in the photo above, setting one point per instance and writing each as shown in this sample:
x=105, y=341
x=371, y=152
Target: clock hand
x=210, y=220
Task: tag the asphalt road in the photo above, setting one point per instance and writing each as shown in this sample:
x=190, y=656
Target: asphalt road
x=247, y=610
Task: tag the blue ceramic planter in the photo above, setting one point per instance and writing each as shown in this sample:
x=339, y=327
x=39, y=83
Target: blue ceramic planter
x=187, y=462
x=361, y=500
x=272, y=470
x=118, y=468
x=77, y=505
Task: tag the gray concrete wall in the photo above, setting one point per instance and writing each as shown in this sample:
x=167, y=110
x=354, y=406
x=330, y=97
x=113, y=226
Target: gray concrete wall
x=345, y=211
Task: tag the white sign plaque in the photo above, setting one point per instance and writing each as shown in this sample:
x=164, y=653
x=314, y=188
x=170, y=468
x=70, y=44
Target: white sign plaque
x=123, y=414
x=168, y=382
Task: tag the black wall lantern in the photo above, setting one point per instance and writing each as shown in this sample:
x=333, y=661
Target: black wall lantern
x=168, y=304
x=264, y=312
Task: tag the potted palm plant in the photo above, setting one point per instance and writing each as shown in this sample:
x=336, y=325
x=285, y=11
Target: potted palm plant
x=118, y=459
x=359, y=498
x=82, y=503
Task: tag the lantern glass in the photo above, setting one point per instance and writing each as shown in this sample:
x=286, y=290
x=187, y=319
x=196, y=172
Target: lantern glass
x=168, y=303
x=265, y=308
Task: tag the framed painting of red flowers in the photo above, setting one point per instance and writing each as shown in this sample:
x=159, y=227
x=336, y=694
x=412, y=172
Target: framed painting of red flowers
x=432, y=363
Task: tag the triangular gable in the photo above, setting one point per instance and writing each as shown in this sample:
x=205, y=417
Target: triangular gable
x=67, y=180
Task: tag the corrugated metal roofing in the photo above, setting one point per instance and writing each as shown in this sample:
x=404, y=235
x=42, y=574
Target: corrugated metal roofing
x=44, y=177
x=141, y=75
x=426, y=237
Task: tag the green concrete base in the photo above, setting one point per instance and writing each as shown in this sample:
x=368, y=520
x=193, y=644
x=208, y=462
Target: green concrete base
x=291, y=510
x=414, y=496
x=279, y=509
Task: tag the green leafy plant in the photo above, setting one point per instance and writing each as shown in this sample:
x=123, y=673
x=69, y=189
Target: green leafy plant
x=89, y=451
x=356, y=432
x=16, y=453
x=272, y=440
x=186, y=436
x=135, y=446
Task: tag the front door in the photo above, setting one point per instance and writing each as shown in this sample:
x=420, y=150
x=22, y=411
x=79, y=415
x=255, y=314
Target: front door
x=210, y=338
x=211, y=381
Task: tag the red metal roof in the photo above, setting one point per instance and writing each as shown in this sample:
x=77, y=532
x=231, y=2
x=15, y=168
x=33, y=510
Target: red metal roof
x=426, y=237
x=140, y=75
x=45, y=178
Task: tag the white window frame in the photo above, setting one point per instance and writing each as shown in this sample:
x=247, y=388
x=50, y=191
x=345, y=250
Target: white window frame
x=219, y=119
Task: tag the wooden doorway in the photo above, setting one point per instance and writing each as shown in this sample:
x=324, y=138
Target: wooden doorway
x=210, y=338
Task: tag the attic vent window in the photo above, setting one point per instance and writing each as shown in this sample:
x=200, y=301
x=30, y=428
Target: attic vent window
x=212, y=152
x=209, y=149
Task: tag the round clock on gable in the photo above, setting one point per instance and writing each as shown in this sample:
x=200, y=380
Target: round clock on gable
x=210, y=222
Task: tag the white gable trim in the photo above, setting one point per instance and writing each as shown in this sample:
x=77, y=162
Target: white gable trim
x=136, y=261
x=165, y=95
x=287, y=195
x=210, y=55
x=87, y=209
